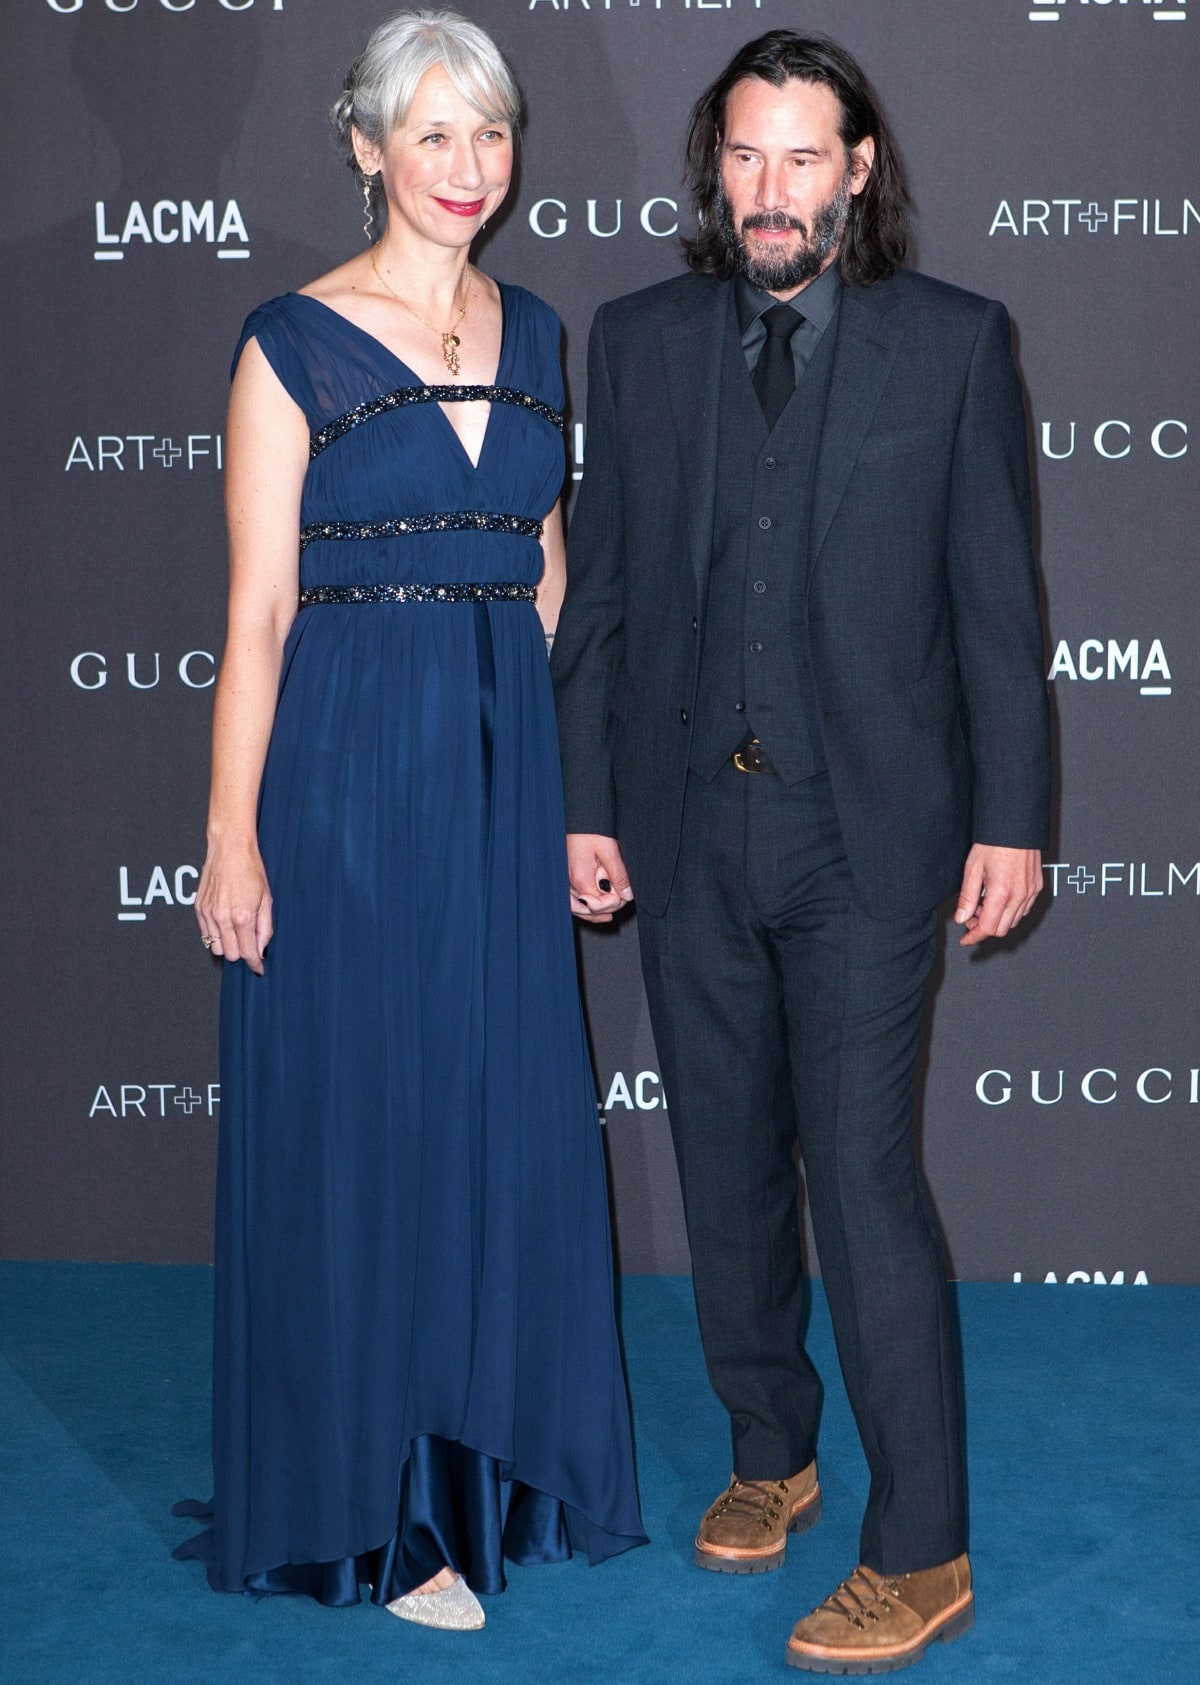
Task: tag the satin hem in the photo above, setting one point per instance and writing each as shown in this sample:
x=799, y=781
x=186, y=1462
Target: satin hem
x=457, y=1507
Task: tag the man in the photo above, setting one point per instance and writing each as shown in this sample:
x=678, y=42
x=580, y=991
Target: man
x=799, y=676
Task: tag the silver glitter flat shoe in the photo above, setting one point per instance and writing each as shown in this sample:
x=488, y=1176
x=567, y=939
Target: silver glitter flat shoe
x=454, y=1609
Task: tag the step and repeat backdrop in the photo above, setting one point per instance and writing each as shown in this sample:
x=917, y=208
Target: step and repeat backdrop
x=170, y=165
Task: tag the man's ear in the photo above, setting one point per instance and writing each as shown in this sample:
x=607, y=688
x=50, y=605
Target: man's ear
x=862, y=160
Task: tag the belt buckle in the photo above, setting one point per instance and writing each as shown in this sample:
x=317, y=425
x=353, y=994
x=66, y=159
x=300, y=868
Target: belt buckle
x=748, y=756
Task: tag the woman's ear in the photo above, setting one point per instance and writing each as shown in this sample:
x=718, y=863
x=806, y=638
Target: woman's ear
x=366, y=153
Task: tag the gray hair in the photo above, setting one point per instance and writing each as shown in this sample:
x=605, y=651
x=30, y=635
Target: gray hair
x=382, y=82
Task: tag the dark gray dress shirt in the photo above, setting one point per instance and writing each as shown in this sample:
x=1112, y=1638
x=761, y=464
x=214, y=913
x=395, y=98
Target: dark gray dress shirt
x=817, y=304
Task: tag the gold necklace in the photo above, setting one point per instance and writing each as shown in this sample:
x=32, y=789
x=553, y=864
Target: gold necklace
x=450, y=340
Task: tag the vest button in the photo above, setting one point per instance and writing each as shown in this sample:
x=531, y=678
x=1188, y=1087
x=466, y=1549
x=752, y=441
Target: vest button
x=683, y=716
x=764, y=522
x=760, y=586
x=695, y=624
x=756, y=648
x=739, y=707
x=768, y=462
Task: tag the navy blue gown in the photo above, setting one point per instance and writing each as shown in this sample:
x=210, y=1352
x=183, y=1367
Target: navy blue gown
x=416, y=1358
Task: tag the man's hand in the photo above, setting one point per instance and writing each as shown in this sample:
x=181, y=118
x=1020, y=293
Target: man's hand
x=599, y=881
x=999, y=887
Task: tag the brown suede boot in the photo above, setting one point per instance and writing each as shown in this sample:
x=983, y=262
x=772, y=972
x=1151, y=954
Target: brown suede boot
x=745, y=1531
x=877, y=1623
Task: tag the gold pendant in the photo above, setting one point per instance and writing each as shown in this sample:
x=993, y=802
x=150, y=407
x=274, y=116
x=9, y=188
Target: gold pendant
x=450, y=344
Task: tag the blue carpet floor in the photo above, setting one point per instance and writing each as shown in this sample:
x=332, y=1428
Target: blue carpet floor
x=1085, y=1473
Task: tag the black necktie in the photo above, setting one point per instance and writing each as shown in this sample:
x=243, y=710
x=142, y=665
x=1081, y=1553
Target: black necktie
x=775, y=372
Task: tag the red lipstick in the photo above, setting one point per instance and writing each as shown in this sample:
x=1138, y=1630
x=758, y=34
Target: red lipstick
x=460, y=207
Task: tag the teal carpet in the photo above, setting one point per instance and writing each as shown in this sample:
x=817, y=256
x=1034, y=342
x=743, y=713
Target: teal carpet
x=1085, y=1480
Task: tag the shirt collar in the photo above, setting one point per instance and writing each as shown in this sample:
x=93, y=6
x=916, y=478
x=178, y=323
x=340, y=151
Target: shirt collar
x=817, y=302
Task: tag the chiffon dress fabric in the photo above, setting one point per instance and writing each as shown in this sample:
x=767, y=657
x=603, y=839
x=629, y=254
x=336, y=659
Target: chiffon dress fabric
x=416, y=1359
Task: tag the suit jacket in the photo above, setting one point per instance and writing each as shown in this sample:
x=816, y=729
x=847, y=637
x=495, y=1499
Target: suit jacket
x=921, y=603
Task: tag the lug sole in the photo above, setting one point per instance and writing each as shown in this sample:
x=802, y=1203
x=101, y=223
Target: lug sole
x=768, y=1561
x=954, y=1628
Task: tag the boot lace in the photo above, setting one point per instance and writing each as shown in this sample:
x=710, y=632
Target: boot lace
x=860, y=1598
x=760, y=1500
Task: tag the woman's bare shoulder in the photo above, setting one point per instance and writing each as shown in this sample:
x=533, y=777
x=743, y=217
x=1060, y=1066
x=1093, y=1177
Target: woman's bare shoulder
x=348, y=281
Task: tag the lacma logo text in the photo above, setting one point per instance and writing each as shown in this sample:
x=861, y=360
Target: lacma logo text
x=169, y=222
x=1161, y=11
x=643, y=1094
x=1142, y=664
x=646, y=5
x=158, y=890
x=1093, y=1278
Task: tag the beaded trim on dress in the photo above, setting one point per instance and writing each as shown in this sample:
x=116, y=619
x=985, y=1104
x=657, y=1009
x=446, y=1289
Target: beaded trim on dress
x=507, y=591
x=404, y=395
x=457, y=520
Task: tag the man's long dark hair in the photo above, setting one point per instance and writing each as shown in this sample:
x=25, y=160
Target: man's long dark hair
x=876, y=236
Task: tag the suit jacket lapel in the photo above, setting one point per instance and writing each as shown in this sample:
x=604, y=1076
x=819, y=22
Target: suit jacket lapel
x=692, y=354
x=868, y=337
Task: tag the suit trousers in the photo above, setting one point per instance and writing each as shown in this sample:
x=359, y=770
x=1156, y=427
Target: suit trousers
x=783, y=1014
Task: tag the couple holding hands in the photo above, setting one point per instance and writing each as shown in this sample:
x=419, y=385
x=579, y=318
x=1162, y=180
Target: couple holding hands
x=797, y=663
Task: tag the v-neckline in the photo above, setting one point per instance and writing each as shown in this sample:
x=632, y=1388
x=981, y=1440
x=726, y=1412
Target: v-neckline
x=414, y=377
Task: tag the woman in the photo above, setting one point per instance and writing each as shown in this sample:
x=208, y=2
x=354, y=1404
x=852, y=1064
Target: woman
x=416, y=1366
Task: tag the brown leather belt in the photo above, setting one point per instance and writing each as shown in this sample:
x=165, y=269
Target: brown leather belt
x=750, y=756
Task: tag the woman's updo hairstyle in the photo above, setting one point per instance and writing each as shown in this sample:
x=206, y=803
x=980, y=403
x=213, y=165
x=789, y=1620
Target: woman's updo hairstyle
x=382, y=81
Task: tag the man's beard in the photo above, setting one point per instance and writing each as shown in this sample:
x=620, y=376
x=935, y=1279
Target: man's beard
x=788, y=270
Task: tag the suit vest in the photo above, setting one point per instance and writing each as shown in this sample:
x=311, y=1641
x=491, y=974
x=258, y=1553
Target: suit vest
x=755, y=671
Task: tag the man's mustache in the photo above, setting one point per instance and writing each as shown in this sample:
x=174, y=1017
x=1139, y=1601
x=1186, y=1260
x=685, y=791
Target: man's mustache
x=773, y=220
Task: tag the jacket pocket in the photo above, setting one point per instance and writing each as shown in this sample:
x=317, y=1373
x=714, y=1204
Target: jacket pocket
x=936, y=695
x=883, y=446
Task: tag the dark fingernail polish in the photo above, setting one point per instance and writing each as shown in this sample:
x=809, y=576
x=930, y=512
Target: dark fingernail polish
x=605, y=885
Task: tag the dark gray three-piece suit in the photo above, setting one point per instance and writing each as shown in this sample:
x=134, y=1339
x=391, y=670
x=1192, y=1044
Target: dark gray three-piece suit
x=853, y=585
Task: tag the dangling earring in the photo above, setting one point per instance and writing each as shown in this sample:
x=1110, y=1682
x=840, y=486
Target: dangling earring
x=368, y=213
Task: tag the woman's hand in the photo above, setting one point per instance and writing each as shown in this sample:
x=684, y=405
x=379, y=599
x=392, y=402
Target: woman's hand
x=233, y=905
x=599, y=882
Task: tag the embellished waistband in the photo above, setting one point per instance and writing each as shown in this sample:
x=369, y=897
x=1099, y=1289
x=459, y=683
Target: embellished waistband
x=459, y=520
x=505, y=591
